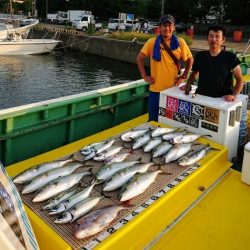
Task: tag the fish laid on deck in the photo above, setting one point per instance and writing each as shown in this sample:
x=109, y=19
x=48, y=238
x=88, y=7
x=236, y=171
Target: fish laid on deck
x=58, y=186
x=43, y=179
x=78, y=210
x=108, y=170
x=72, y=201
x=96, y=221
x=33, y=172
x=177, y=152
x=137, y=185
x=121, y=177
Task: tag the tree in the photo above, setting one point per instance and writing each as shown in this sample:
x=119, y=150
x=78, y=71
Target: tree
x=238, y=11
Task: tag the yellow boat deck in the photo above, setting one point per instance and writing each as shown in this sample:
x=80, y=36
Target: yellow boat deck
x=218, y=221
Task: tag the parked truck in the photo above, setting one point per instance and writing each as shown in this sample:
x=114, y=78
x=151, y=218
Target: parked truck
x=67, y=17
x=52, y=18
x=84, y=22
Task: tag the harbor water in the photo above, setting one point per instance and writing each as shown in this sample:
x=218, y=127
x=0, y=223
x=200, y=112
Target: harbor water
x=29, y=79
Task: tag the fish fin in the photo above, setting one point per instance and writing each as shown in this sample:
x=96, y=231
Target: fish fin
x=196, y=143
x=140, y=159
x=104, y=195
x=94, y=181
x=127, y=203
x=196, y=164
x=171, y=141
x=126, y=145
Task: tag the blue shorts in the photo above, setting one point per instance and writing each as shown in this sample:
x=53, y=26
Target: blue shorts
x=153, y=106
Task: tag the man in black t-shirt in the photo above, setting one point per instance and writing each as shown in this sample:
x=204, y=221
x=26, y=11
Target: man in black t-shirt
x=216, y=68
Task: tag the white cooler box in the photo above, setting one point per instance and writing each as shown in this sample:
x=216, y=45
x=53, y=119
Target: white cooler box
x=204, y=115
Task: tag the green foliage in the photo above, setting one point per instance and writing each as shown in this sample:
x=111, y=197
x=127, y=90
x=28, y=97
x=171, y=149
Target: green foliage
x=187, y=39
x=187, y=11
x=129, y=36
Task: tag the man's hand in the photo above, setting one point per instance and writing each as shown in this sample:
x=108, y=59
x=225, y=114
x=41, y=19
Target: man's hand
x=182, y=86
x=230, y=98
x=149, y=79
x=179, y=80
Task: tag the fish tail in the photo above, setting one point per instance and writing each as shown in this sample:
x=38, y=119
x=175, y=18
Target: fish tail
x=105, y=195
x=127, y=204
x=125, y=145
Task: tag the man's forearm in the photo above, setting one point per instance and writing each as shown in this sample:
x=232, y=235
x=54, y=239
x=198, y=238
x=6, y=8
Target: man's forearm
x=238, y=87
x=188, y=67
x=190, y=81
x=140, y=63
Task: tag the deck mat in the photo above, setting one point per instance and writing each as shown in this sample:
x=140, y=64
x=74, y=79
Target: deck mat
x=171, y=170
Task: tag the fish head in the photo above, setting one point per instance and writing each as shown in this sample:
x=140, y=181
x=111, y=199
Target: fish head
x=64, y=218
x=57, y=209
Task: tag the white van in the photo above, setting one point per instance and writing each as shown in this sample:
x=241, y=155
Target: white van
x=82, y=22
x=116, y=24
x=131, y=25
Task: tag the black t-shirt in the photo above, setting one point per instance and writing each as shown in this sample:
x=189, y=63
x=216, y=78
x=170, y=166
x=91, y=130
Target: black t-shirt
x=215, y=73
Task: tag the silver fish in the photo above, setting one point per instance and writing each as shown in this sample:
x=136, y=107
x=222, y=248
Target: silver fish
x=58, y=186
x=78, y=210
x=117, y=158
x=171, y=135
x=188, y=138
x=59, y=198
x=137, y=185
x=177, y=152
x=162, y=149
x=41, y=180
x=159, y=131
x=121, y=177
x=92, y=147
x=106, y=146
x=97, y=149
x=90, y=156
x=141, y=141
x=153, y=143
x=108, y=170
x=131, y=135
x=33, y=172
x=96, y=221
x=107, y=154
x=72, y=201
x=194, y=157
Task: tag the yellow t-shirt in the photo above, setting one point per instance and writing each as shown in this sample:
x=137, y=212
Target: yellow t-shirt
x=165, y=71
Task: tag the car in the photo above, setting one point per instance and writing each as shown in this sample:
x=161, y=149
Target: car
x=131, y=25
x=152, y=25
x=116, y=24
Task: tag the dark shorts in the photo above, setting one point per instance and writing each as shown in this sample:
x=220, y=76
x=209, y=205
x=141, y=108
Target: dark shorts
x=153, y=106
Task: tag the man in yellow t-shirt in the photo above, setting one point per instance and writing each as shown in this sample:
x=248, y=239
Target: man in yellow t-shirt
x=164, y=71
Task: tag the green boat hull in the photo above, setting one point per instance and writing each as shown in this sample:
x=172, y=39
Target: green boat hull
x=30, y=130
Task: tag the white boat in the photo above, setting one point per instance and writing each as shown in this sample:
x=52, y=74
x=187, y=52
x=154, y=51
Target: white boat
x=14, y=41
x=27, y=46
x=7, y=31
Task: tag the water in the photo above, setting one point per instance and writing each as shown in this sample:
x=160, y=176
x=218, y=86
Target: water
x=29, y=79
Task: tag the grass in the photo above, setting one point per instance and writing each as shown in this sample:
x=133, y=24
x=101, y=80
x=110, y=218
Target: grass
x=142, y=37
